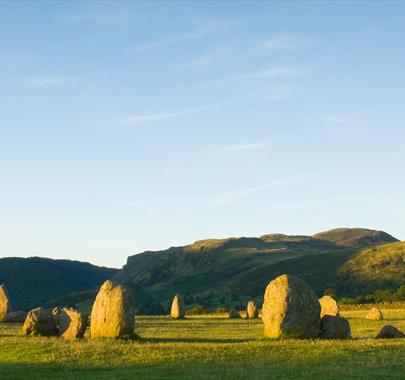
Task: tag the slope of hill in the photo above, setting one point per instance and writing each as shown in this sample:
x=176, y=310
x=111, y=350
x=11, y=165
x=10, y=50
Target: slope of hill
x=375, y=268
x=355, y=237
x=229, y=271
x=217, y=272
x=35, y=281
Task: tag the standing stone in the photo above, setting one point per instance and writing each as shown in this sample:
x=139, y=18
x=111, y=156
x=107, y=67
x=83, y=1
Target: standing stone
x=70, y=323
x=375, y=315
x=113, y=313
x=4, y=303
x=251, y=310
x=290, y=309
x=233, y=314
x=177, y=309
x=41, y=322
x=328, y=306
x=390, y=332
x=334, y=327
x=15, y=317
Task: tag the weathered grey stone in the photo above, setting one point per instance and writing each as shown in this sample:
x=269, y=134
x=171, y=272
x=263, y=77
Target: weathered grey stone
x=4, y=303
x=177, y=310
x=290, y=309
x=390, y=332
x=328, y=306
x=251, y=310
x=15, y=317
x=232, y=313
x=113, y=312
x=41, y=322
x=375, y=314
x=334, y=327
x=70, y=323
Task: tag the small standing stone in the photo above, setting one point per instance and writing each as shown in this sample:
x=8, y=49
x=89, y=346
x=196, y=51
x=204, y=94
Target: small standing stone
x=328, y=306
x=375, y=314
x=334, y=327
x=15, y=317
x=4, y=303
x=251, y=310
x=390, y=332
x=41, y=322
x=71, y=324
x=177, y=310
x=233, y=314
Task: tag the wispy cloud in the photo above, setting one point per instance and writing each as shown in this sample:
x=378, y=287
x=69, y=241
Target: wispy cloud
x=237, y=195
x=238, y=78
x=245, y=147
x=198, y=63
x=52, y=80
x=96, y=16
x=273, y=72
x=286, y=42
x=140, y=119
x=342, y=119
x=201, y=31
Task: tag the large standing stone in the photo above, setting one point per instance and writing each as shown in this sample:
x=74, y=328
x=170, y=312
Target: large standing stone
x=15, y=317
x=70, y=323
x=41, y=322
x=4, y=303
x=328, y=306
x=177, y=309
x=290, y=309
x=251, y=310
x=334, y=327
x=375, y=314
x=113, y=313
x=390, y=332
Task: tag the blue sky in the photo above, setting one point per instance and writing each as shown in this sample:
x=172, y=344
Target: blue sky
x=129, y=126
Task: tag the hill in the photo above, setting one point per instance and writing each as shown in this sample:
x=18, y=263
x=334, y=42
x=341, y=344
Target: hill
x=376, y=268
x=36, y=281
x=355, y=237
x=230, y=271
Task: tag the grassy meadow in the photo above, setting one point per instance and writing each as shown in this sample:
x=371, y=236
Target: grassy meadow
x=206, y=347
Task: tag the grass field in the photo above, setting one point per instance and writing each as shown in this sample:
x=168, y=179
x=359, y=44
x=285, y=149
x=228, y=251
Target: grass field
x=206, y=347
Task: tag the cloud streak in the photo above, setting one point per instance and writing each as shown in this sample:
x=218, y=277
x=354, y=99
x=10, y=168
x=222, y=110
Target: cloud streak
x=147, y=118
x=103, y=17
x=200, y=32
x=286, y=42
x=342, y=119
x=57, y=80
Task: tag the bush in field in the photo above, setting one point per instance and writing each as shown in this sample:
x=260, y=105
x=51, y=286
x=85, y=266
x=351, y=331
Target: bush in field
x=197, y=310
x=221, y=310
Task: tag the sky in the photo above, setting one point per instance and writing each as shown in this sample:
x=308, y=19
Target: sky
x=133, y=126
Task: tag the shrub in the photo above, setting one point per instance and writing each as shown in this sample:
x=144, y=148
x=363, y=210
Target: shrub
x=197, y=310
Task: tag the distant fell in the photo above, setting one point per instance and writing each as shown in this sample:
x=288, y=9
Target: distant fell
x=34, y=281
x=380, y=267
x=355, y=237
x=230, y=271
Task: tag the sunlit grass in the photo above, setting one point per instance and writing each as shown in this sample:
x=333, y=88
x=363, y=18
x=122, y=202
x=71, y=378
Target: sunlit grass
x=206, y=347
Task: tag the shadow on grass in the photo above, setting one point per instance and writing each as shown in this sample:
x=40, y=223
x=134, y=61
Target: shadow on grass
x=195, y=340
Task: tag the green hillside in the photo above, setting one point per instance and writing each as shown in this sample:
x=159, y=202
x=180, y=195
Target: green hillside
x=355, y=237
x=37, y=281
x=217, y=272
x=375, y=268
x=230, y=271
